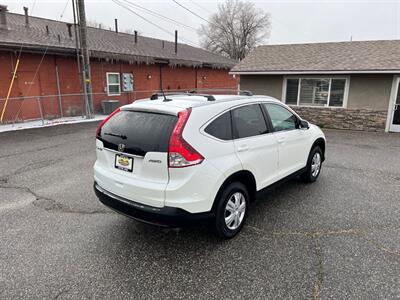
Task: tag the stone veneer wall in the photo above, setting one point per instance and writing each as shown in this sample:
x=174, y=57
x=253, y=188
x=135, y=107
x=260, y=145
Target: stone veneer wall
x=343, y=118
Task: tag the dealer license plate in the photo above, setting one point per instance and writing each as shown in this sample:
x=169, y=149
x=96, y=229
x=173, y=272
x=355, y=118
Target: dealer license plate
x=123, y=162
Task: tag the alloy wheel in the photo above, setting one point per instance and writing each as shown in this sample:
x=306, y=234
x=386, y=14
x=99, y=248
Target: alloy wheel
x=235, y=210
x=316, y=164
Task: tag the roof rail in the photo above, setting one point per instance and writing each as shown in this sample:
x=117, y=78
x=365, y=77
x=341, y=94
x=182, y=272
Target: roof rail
x=209, y=97
x=221, y=91
x=155, y=96
x=201, y=92
x=160, y=94
x=246, y=93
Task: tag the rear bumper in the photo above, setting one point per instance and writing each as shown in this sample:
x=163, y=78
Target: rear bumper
x=165, y=216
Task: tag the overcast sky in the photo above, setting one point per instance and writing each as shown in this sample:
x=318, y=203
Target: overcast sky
x=295, y=21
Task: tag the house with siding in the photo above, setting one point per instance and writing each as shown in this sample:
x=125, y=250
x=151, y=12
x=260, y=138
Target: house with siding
x=124, y=67
x=343, y=85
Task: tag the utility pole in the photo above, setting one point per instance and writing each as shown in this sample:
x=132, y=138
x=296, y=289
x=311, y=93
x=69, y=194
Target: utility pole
x=87, y=84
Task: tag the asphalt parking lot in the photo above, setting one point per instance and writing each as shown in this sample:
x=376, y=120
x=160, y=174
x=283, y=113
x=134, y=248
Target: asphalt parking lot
x=336, y=239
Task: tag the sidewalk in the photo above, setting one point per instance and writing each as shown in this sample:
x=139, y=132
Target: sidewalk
x=47, y=123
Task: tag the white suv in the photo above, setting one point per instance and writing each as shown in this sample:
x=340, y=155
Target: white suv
x=172, y=160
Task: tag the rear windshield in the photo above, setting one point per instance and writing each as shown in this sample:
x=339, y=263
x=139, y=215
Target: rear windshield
x=138, y=132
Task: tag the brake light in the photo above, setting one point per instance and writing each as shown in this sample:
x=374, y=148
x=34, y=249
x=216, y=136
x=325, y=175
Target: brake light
x=98, y=130
x=180, y=153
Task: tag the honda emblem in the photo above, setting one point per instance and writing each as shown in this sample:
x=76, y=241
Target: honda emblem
x=121, y=147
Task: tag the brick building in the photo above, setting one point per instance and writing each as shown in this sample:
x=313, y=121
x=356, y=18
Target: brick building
x=57, y=85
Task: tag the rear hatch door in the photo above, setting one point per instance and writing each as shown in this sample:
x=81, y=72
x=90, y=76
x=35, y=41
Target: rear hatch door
x=132, y=155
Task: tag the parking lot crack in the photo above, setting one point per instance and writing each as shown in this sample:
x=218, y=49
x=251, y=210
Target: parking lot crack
x=316, y=235
x=379, y=246
x=386, y=173
x=351, y=231
x=36, y=166
x=40, y=149
x=52, y=205
x=60, y=293
x=21, y=188
x=320, y=269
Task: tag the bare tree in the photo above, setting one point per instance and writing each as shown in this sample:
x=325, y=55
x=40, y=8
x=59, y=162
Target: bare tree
x=235, y=29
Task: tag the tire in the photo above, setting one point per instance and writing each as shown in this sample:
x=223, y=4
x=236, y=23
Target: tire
x=314, y=165
x=230, y=203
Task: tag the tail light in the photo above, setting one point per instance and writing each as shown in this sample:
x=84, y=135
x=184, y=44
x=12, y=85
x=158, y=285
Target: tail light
x=98, y=131
x=180, y=153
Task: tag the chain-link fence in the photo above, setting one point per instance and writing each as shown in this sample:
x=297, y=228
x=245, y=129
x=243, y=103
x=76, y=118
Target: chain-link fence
x=48, y=107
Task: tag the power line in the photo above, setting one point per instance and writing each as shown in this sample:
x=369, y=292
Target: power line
x=140, y=16
x=152, y=23
x=202, y=7
x=39, y=65
x=151, y=12
x=47, y=48
x=219, y=26
x=63, y=11
x=200, y=17
x=14, y=73
x=22, y=44
x=222, y=27
x=192, y=12
x=33, y=6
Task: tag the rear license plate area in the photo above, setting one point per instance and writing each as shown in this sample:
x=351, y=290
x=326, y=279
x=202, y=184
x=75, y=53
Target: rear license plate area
x=123, y=162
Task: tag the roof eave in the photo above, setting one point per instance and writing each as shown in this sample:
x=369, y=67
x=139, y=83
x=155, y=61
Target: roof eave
x=38, y=49
x=314, y=72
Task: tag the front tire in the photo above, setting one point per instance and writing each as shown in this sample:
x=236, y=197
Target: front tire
x=232, y=208
x=314, y=164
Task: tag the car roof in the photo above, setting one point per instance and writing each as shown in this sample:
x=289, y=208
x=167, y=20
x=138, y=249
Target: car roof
x=178, y=102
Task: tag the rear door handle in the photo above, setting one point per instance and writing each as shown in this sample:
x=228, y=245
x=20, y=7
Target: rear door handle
x=243, y=148
x=281, y=140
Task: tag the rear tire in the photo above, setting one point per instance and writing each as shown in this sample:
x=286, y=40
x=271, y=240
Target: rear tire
x=231, y=211
x=314, y=165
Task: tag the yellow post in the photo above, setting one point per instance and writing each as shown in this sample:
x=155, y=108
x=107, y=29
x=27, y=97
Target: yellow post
x=9, y=91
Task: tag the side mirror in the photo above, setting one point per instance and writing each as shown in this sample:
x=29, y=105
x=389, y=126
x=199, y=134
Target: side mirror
x=303, y=124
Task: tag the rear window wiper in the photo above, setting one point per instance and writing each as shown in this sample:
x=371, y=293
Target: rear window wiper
x=116, y=135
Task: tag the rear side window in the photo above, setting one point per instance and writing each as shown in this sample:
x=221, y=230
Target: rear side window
x=249, y=121
x=221, y=127
x=139, y=132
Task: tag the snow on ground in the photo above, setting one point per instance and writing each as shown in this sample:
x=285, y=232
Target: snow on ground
x=47, y=123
